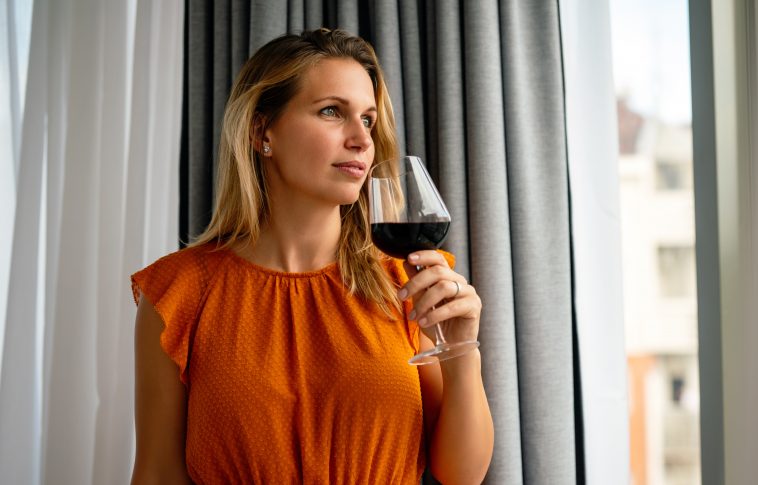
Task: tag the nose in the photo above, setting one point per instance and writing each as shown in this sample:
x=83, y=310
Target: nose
x=358, y=136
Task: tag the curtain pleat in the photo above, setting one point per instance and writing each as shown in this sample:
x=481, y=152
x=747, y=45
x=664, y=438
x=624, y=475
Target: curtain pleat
x=446, y=130
x=20, y=397
x=59, y=72
x=477, y=92
x=314, y=14
x=115, y=408
x=539, y=220
x=267, y=20
x=240, y=34
x=221, y=60
x=346, y=15
x=71, y=392
x=295, y=16
x=413, y=78
x=201, y=102
x=490, y=231
x=387, y=43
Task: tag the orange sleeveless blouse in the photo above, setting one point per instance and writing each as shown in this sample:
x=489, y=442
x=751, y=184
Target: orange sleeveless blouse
x=290, y=378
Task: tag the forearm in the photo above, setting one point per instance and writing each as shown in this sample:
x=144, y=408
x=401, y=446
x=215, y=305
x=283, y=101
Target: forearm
x=142, y=475
x=462, y=442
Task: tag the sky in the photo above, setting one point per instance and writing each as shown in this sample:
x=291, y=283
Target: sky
x=651, y=57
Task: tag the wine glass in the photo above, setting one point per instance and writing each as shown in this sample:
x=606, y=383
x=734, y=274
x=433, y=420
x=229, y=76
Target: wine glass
x=407, y=214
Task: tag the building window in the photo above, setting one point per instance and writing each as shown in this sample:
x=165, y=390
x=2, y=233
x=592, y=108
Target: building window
x=676, y=269
x=672, y=175
x=677, y=386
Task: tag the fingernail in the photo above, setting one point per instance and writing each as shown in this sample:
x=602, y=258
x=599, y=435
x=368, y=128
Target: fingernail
x=402, y=294
x=413, y=257
x=412, y=315
x=422, y=322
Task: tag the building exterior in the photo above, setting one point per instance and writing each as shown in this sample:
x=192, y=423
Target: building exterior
x=660, y=307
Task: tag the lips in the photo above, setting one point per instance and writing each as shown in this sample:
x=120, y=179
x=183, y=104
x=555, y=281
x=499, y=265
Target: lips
x=352, y=164
x=353, y=168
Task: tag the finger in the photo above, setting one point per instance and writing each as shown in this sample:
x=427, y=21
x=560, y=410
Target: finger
x=427, y=258
x=424, y=279
x=437, y=295
x=459, y=307
x=410, y=269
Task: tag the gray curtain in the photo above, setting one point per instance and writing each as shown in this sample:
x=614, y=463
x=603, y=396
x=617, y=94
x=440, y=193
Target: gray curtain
x=478, y=91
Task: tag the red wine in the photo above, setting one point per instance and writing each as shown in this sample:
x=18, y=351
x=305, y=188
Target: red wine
x=399, y=239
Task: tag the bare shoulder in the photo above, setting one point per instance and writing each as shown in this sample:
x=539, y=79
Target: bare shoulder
x=160, y=405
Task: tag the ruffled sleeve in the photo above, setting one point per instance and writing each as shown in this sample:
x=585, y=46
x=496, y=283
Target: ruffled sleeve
x=398, y=272
x=449, y=257
x=175, y=286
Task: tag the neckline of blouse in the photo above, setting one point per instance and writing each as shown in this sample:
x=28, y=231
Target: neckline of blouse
x=329, y=268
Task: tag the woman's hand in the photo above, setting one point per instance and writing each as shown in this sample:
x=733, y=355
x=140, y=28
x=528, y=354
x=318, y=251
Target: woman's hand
x=455, y=404
x=440, y=295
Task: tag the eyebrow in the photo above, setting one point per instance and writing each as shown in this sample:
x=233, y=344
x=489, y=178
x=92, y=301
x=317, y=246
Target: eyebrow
x=340, y=100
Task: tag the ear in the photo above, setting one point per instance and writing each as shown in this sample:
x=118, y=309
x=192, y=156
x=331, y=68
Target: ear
x=259, y=134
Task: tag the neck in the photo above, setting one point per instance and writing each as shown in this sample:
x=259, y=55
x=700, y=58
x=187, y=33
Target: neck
x=297, y=237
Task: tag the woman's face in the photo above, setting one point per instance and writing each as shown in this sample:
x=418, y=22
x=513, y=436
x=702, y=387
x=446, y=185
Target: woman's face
x=321, y=145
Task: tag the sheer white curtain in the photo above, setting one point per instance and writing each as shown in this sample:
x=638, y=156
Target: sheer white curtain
x=596, y=238
x=96, y=199
x=15, y=24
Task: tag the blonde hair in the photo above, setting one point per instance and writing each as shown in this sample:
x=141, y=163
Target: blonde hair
x=265, y=84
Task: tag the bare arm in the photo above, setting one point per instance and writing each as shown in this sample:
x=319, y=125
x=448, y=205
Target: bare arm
x=458, y=421
x=160, y=406
x=457, y=418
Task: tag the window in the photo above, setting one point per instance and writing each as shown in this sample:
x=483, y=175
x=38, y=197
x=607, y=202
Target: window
x=652, y=75
x=676, y=271
x=670, y=175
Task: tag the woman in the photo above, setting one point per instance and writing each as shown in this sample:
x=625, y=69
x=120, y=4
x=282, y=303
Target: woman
x=290, y=331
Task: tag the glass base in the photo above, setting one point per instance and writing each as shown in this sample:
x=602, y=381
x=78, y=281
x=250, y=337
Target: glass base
x=444, y=351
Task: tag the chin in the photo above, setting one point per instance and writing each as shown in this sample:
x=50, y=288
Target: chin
x=344, y=195
x=347, y=201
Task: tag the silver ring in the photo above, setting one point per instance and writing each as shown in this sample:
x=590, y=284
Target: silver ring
x=457, y=288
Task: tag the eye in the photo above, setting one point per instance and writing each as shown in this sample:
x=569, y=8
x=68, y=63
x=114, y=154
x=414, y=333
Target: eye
x=330, y=111
x=368, y=122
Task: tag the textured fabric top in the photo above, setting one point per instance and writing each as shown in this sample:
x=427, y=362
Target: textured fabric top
x=290, y=379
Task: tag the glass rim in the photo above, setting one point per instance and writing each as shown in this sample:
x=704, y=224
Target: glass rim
x=371, y=171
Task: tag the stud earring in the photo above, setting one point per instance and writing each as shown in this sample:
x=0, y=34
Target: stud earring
x=266, y=149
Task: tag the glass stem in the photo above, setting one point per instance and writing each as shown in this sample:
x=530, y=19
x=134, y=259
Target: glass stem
x=440, y=337
x=437, y=330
